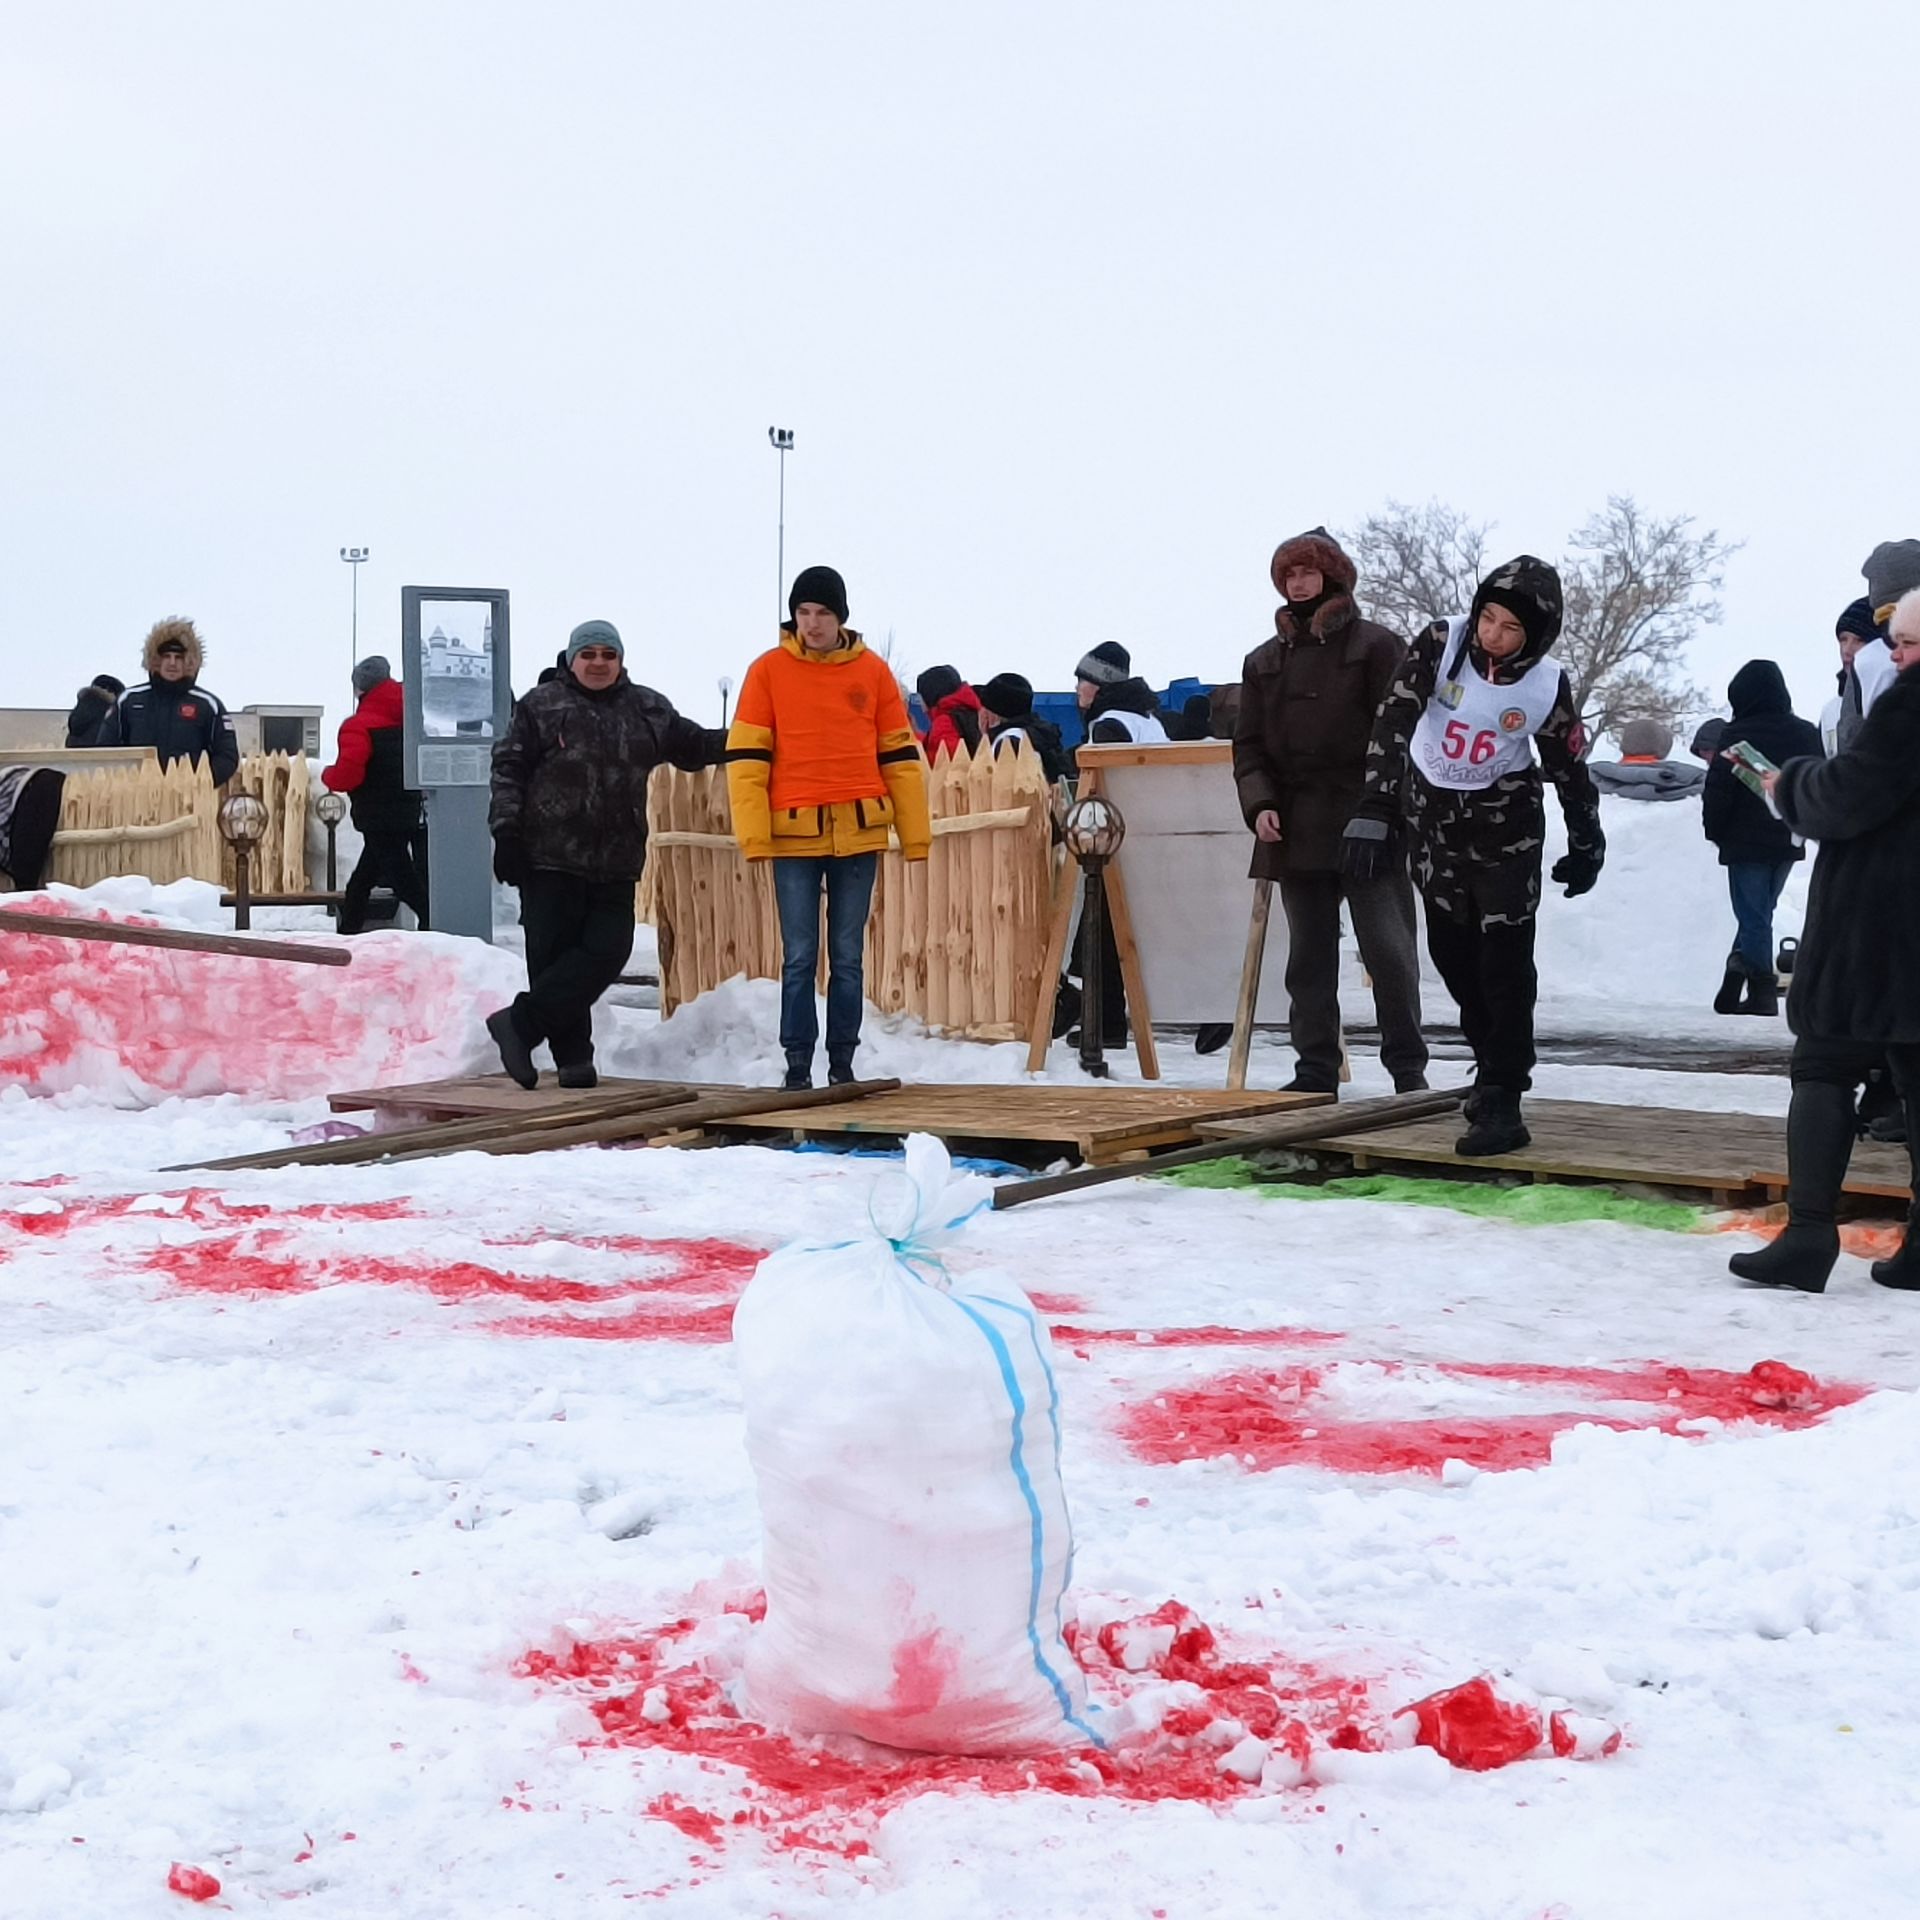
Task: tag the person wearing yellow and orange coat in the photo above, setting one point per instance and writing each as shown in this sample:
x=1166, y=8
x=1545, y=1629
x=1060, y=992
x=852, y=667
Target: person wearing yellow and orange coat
x=823, y=770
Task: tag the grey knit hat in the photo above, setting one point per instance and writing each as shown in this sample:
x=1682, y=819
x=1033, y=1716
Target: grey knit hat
x=595, y=633
x=1646, y=740
x=370, y=672
x=1891, y=569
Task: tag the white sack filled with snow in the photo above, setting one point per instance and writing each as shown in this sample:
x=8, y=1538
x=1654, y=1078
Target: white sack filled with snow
x=904, y=1431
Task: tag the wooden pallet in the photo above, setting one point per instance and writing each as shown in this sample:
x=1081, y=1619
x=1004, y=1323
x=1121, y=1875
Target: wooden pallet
x=1101, y=1124
x=1729, y=1155
x=480, y=1095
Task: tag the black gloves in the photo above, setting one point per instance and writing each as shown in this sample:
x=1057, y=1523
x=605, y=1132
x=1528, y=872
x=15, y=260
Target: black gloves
x=1576, y=872
x=1364, y=847
x=510, y=860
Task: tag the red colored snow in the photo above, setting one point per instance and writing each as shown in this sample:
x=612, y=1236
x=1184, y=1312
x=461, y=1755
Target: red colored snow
x=650, y=1690
x=191, y=1882
x=1291, y=1417
x=273, y=1261
x=1471, y=1727
x=696, y=1825
x=922, y=1667
x=212, y=1023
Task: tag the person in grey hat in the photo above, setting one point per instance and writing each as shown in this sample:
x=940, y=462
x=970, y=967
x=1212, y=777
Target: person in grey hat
x=1891, y=570
x=370, y=771
x=569, y=823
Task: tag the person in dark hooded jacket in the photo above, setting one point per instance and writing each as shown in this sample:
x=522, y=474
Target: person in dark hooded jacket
x=1006, y=705
x=1855, y=998
x=953, y=712
x=1116, y=708
x=92, y=707
x=1757, y=848
x=170, y=711
x=1452, y=756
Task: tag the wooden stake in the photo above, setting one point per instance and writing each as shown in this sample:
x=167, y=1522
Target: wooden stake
x=58, y=927
x=1139, y=1014
x=1065, y=881
x=1249, y=986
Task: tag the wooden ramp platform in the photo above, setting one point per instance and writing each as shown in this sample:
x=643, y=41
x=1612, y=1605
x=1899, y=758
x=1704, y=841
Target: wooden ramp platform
x=1100, y=1123
x=1733, y=1156
x=483, y=1096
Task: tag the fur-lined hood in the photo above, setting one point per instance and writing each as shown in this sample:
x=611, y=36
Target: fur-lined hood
x=1336, y=610
x=173, y=628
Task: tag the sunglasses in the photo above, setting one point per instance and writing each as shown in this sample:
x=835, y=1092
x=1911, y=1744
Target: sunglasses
x=599, y=655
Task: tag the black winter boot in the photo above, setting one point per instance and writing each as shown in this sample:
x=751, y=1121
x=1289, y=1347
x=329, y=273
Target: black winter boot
x=1903, y=1270
x=840, y=1069
x=515, y=1055
x=799, y=1072
x=1819, y=1145
x=1733, y=990
x=1213, y=1036
x=1496, y=1127
x=579, y=1074
x=1763, y=995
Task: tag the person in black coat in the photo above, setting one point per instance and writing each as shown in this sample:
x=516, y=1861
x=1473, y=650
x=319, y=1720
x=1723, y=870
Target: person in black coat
x=1006, y=704
x=1856, y=984
x=170, y=711
x=92, y=706
x=1756, y=847
x=370, y=769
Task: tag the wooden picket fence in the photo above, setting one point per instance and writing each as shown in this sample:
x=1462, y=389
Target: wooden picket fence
x=163, y=823
x=959, y=940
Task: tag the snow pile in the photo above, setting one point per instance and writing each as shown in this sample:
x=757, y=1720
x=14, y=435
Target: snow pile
x=905, y=1434
x=134, y=1025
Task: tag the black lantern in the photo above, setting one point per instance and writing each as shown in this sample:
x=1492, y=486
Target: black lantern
x=330, y=809
x=1093, y=832
x=243, y=825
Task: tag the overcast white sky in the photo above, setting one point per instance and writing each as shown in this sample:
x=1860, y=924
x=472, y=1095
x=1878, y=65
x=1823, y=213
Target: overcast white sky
x=1073, y=309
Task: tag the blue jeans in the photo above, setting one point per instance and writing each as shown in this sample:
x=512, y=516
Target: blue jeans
x=1755, y=887
x=848, y=880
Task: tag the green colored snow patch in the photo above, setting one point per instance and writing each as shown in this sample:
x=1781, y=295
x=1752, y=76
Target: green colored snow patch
x=1539, y=1205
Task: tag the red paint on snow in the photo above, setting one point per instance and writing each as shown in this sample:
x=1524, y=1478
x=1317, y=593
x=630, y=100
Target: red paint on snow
x=652, y=1691
x=212, y=1023
x=1291, y=1417
x=192, y=1883
x=1197, y=1336
x=1471, y=1727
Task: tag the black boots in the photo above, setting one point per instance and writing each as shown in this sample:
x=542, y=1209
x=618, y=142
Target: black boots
x=1494, y=1124
x=840, y=1067
x=1744, y=992
x=1733, y=989
x=799, y=1071
x=1819, y=1145
x=515, y=1055
x=1212, y=1036
x=579, y=1074
x=1903, y=1270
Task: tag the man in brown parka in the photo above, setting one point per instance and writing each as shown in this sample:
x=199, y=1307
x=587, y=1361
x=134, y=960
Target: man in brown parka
x=1307, y=705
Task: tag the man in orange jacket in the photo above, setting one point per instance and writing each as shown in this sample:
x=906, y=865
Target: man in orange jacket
x=822, y=770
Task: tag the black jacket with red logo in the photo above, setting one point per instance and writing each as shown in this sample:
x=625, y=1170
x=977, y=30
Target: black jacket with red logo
x=179, y=721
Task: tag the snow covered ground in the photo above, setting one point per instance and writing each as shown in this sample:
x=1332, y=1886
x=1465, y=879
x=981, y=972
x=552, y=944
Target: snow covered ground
x=381, y=1541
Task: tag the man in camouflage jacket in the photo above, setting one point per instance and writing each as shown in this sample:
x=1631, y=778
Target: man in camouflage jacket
x=1449, y=761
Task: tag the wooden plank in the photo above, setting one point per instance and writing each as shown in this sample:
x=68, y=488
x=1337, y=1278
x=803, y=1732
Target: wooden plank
x=1040, y=1037
x=1278, y=1130
x=1139, y=1013
x=982, y=934
x=114, y=933
x=1255, y=959
x=933, y=927
x=956, y=935
x=474, y=1095
x=1176, y=753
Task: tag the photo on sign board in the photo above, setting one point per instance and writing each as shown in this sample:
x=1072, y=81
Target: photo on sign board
x=456, y=659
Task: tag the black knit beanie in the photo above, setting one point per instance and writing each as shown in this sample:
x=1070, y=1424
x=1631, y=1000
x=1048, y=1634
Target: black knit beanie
x=1007, y=694
x=823, y=587
x=1105, y=665
x=108, y=684
x=1857, y=622
x=936, y=683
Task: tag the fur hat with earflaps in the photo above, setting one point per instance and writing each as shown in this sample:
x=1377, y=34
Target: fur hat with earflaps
x=1333, y=608
x=174, y=634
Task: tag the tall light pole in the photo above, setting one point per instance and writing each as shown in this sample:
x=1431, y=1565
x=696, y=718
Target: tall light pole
x=354, y=557
x=781, y=440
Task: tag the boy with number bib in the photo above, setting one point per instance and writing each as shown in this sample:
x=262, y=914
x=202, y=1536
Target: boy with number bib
x=1452, y=756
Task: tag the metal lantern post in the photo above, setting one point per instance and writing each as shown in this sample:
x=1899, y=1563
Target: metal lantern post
x=330, y=809
x=356, y=557
x=781, y=440
x=726, y=694
x=1093, y=832
x=243, y=824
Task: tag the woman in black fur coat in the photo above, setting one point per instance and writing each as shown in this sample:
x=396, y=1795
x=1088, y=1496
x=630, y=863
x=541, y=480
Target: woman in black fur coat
x=1856, y=983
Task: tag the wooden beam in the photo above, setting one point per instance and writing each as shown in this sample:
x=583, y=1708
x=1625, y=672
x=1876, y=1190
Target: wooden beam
x=60, y=927
x=1363, y=1116
x=1139, y=1013
x=322, y=899
x=1249, y=985
x=1040, y=1037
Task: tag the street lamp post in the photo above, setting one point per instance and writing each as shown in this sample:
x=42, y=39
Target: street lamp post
x=354, y=557
x=726, y=694
x=1093, y=831
x=781, y=440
